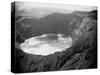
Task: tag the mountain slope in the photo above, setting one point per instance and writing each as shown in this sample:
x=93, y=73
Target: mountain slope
x=81, y=55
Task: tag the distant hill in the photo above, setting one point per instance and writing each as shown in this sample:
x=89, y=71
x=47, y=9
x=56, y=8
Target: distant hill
x=53, y=23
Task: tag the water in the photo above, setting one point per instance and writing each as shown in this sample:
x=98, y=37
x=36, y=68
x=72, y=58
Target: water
x=44, y=44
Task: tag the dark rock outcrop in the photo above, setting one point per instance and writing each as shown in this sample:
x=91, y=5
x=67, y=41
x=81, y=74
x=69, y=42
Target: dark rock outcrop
x=82, y=54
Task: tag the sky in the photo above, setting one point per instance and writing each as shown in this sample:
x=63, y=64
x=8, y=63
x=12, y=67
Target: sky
x=43, y=9
x=29, y=5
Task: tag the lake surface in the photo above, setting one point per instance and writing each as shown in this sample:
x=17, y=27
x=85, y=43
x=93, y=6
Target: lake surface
x=46, y=44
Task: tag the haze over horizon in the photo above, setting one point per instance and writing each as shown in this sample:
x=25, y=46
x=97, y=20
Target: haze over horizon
x=43, y=9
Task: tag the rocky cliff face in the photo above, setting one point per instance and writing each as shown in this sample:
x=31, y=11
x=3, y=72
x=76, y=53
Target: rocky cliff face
x=81, y=55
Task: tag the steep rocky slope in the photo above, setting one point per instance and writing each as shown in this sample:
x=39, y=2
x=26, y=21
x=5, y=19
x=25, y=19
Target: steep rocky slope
x=81, y=55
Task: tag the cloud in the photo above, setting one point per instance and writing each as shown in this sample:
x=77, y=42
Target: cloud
x=39, y=10
x=29, y=5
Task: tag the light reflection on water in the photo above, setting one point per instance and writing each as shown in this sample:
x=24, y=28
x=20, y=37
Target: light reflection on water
x=42, y=45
